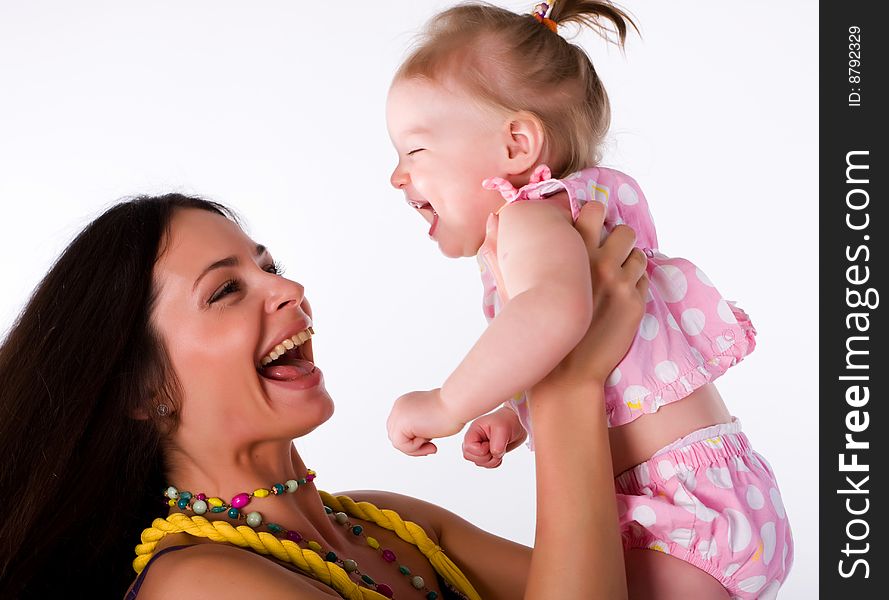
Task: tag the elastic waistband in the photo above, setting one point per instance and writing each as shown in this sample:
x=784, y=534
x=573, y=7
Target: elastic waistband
x=700, y=448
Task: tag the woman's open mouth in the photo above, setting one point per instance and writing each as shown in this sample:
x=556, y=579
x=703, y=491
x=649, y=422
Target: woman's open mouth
x=290, y=359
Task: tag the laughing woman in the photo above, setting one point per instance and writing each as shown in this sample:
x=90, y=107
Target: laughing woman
x=164, y=351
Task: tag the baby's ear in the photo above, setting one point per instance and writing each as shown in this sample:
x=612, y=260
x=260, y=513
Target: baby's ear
x=524, y=137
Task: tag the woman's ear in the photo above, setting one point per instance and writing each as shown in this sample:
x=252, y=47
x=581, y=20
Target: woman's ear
x=524, y=140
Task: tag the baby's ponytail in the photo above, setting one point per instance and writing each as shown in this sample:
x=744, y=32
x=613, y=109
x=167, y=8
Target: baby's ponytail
x=520, y=62
x=589, y=13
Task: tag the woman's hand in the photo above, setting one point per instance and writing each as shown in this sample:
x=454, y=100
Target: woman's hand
x=620, y=287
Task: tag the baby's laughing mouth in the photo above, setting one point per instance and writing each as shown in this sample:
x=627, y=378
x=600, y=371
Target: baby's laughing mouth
x=425, y=209
x=290, y=359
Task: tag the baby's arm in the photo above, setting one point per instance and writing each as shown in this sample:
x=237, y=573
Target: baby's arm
x=544, y=265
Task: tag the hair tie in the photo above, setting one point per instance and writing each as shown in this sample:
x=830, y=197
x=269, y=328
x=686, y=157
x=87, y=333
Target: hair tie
x=542, y=11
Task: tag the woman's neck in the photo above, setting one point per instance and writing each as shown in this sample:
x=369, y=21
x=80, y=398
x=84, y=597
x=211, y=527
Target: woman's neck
x=259, y=466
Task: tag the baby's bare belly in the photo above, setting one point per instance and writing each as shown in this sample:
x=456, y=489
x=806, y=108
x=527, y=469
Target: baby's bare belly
x=638, y=440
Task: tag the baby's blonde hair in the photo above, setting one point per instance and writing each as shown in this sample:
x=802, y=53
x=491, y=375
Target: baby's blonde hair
x=516, y=63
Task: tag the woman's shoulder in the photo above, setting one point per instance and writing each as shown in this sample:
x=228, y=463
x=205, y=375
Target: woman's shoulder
x=425, y=514
x=223, y=571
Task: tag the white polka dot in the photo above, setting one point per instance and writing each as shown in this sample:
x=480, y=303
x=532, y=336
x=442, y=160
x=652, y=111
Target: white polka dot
x=753, y=584
x=683, y=537
x=613, y=379
x=731, y=569
x=693, y=321
x=667, y=371
x=644, y=515
x=703, y=278
x=649, y=327
x=720, y=477
x=635, y=394
x=627, y=195
x=776, y=502
x=740, y=467
x=725, y=312
x=672, y=322
x=707, y=548
x=666, y=470
x=693, y=505
x=769, y=539
x=755, y=499
x=580, y=194
x=784, y=554
x=771, y=592
x=698, y=356
x=670, y=281
x=686, y=475
x=739, y=531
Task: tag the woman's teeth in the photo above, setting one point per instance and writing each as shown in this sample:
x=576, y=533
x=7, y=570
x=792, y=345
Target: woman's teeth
x=288, y=344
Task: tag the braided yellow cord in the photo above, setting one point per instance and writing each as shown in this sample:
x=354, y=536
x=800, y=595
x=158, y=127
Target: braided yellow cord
x=306, y=560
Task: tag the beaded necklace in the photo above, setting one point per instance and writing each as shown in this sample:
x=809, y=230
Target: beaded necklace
x=201, y=504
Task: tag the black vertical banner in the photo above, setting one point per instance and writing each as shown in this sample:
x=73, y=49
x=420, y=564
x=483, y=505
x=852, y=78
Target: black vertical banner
x=854, y=431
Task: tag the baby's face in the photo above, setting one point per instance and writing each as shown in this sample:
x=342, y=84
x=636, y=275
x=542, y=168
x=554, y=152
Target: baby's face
x=447, y=144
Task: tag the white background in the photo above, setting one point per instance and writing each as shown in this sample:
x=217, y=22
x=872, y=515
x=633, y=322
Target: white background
x=277, y=109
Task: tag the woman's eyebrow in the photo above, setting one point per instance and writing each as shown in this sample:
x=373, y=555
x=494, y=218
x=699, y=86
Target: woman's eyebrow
x=228, y=261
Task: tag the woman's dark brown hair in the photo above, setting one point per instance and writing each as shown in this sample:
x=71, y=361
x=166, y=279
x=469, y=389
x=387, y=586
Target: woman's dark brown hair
x=80, y=476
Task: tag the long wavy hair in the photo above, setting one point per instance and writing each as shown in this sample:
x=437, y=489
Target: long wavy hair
x=80, y=476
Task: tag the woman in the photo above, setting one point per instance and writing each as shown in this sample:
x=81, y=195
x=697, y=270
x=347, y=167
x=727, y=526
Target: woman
x=142, y=360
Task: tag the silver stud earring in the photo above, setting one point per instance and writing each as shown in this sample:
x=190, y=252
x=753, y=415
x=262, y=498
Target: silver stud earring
x=163, y=410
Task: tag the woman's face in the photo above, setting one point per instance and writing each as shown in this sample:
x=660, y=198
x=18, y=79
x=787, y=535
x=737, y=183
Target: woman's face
x=221, y=309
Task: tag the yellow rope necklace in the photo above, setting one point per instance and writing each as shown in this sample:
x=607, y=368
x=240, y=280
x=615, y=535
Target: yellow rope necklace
x=308, y=560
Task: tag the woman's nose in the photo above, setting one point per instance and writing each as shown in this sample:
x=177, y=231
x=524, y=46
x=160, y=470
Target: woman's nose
x=399, y=177
x=285, y=294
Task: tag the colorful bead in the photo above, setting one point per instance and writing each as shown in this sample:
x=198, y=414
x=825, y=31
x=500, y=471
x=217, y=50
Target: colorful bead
x=202, y=496
x=357, y=529
x=171, y=502
x=233, y=513
x=431, y=596
x=291, y=485
x=328, y=510
x=277, y=489
x=314, y=545
x=261, y=492
x=302, y=481
x=241, y=500
x=171, y=493
x=350, y=565
x=182, y=503
x=185, y=495
x=388, y=555
x=368, y=580
x=294, y=536
x=341, y=518
x=404, y=570
x=214, y=501
x=199, y=507
x=254, y=519
x=275, y=528
x=372, y=542
x=330, y=557
x=217, y=509
x=311, y=476
x=385, y=590
x=418, y=582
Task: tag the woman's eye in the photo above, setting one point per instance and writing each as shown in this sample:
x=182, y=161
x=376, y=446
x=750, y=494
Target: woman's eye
x=412, y=152
x=274, y=268
x=229, y=287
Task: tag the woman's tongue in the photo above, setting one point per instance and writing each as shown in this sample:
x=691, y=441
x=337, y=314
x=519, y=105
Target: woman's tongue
x=287, y=369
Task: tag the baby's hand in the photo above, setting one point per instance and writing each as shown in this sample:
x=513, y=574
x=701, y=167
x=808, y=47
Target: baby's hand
x=491, y=436
x=417, y=418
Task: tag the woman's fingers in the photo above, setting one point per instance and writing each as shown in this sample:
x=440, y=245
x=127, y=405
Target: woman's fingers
x=635, y=265
x=589, y=224
x=620, y=243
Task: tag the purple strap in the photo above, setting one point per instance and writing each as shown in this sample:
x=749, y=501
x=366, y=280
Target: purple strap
x=134, y=591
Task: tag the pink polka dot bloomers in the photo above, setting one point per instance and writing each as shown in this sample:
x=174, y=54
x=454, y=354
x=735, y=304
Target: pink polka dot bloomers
x=708, y=498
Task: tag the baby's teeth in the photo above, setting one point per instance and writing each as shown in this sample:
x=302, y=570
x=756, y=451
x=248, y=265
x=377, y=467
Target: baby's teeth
x=288, y=344
x=280, y=349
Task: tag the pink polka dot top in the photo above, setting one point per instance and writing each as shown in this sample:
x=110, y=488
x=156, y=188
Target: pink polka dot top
x=689, y=335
